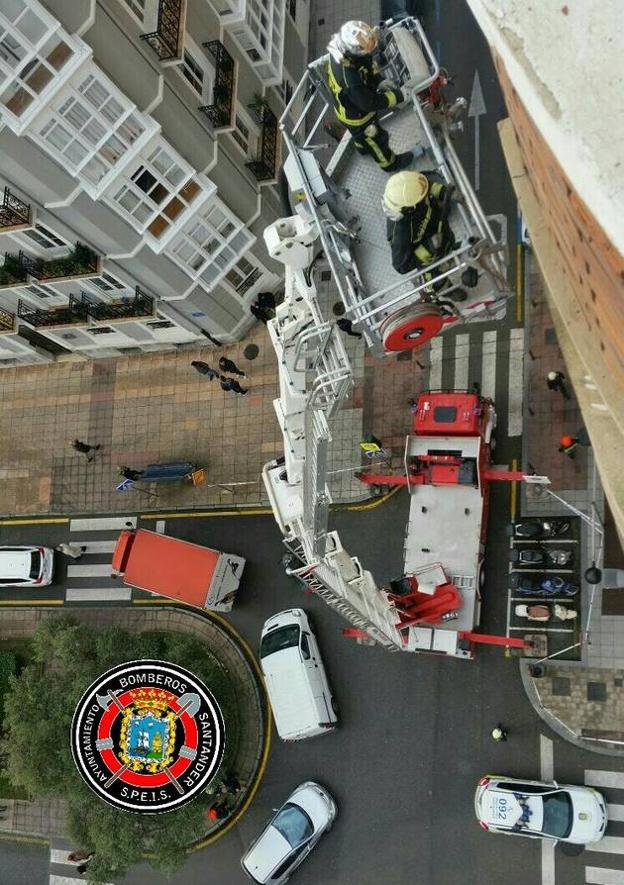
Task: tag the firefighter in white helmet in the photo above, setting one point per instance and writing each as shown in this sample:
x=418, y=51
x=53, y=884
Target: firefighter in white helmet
x=416, y=206
x=355, y=81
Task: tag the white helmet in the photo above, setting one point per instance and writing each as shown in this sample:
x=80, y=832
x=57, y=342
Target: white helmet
x=357, y=38
x=403, y=190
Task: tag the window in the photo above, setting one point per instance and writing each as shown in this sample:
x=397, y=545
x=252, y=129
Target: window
x=277, y=640
x=106, y=283
x=305, y=647
x=137, y=7
x=240, y=275
x=91, y=127
x=44, y=237
x=241, y=134
x=558, y=815
x=161, y=324
x=100, y=330
x=193, y=72
x=294, y=824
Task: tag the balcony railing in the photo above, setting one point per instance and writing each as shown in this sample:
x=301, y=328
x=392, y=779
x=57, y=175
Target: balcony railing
x=7, y=321
x=74, y=312
x=251, y=280
x=12, y=271
x=81, y=262
x=139, y=305
x=264, y=168
x=220, y=111
x=13, y=212
x=167, y=38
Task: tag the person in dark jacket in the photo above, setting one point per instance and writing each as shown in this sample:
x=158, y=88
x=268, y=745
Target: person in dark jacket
x=355, y=80
x=230, y=366
x=418, y=228
x=260, y=313
x=205, y=369
x=232, y=384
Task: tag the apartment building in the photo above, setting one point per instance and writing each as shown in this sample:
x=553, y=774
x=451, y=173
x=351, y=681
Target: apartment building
x=139, y=153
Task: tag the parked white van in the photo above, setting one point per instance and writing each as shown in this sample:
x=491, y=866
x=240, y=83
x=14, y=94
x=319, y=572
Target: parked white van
x=302, y=702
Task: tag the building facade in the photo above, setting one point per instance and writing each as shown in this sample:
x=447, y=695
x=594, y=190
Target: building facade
x=139, y=153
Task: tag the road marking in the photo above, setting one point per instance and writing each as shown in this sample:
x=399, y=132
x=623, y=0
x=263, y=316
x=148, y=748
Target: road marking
x=596, y=778
x=435, y=363
x=67, y=880
x=547, y=758
x=53, y=520
x=475, y=109
x=90, y=594
x=615, y=812
x=608, y=845
x=94, y=569
x=101, y=523
x=516, y=382
x=462, y=352
x=488, y=364
x=28, y=603
x=599, y=876
x=160, y=526
x=548, y=863
x=96, y=546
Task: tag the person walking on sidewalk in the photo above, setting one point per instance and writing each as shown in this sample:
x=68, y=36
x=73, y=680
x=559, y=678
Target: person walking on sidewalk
x=556, y=381
x=74, y=551
x=205, y=369
x=232, y=384
x=230, y=366
x=567, y=445
x=130, y=473
x=346, y=326
x=499, y=733
x=84, y=448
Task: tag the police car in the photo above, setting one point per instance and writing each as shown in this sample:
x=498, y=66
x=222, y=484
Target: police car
x=540, y=810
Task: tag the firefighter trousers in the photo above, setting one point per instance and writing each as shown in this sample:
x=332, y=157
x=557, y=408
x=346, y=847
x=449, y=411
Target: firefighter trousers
x=374, y=140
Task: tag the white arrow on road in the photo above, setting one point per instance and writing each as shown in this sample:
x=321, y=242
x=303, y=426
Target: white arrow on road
x=476, y=109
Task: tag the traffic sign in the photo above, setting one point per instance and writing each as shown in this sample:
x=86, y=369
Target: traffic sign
x=125, y=486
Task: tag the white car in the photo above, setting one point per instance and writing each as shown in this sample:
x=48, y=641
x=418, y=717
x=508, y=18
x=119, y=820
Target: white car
x=301, y=699
x=541, y=810
x=26, y=566
x=292, y=834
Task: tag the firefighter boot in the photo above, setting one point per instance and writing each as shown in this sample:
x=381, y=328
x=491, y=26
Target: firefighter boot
x=401, y=161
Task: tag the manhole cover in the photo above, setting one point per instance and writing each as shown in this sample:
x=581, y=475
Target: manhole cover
x=251, y=351
x=338, y=309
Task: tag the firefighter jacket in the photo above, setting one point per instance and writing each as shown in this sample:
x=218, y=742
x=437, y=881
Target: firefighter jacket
x=354, y=86
x=410, y=237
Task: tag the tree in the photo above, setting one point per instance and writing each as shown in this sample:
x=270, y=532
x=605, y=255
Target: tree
x=66, y=658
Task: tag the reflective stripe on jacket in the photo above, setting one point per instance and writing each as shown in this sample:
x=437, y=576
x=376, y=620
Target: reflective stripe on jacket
x=356, y=100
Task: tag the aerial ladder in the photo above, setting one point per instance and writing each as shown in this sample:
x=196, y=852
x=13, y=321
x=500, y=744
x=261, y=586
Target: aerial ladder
x=334, y=197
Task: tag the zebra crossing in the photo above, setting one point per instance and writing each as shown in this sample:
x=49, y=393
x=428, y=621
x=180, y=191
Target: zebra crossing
x=611, y=785
x=494, y=358
x=64, y=871
x=89, y=578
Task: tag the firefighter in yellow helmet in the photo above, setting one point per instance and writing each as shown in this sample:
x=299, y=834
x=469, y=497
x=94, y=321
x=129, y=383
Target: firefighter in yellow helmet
x=416, y=206
x=355, y=81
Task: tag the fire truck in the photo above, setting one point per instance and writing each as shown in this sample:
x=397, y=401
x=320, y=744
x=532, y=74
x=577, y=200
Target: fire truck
x=447, y=470
x=333, y=195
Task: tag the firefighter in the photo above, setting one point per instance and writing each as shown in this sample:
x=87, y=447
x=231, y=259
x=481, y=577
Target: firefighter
x=416, y=206
x=359, y=94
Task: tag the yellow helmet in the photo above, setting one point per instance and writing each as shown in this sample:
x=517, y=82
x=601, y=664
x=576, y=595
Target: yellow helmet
x=404, y=190
x=357, y=38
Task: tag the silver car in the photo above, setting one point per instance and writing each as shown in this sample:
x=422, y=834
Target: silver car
x=291, y=835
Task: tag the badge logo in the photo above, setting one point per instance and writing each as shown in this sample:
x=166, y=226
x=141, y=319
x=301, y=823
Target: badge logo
x=147, y=736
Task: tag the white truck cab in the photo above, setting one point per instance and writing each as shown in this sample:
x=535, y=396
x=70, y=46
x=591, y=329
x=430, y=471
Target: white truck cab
x=301, y=699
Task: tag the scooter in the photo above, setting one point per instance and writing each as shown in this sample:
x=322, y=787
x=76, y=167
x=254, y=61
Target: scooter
x=541, y=556
x=545, y=612
x=551, y=585
x=539, y=528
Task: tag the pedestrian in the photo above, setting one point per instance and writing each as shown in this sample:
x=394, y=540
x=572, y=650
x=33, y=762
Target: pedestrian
x=84, y=448
x=129, y=473
x=230, y=366
x=74, y=551
x=205, y=369
x=556, y=381
x=346, y=326
x=217, y=812
x=260, y=313
x=499, y=733
x=568, y=445
x=232, y=384
x=266, y=300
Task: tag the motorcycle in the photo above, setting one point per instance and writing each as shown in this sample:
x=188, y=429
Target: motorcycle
x=541, y=556
x=533, y=530
x=545, y=612
x=551, y=585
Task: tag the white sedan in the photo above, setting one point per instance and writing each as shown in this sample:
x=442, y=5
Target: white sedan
x=291, y=835
x=26, y=566
x=541, y=810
